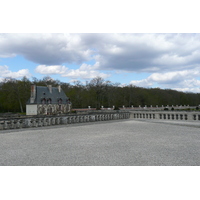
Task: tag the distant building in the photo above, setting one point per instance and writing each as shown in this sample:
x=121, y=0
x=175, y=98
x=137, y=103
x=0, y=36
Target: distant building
x=47, y=101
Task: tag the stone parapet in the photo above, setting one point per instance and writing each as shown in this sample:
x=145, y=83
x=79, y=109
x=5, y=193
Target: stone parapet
x=6, y=124
x=166, y=115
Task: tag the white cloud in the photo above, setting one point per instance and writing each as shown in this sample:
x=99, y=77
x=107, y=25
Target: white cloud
x=173, y=59
x=142, y=83
x=5, y=72
x=84, y=72
x=128, y=52
x=47, y=49
x=53, y=69
x=186, y=80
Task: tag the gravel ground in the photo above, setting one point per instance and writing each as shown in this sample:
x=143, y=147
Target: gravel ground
x=116, y=143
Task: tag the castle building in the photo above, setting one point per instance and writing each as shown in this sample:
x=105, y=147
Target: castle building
x=47, y=101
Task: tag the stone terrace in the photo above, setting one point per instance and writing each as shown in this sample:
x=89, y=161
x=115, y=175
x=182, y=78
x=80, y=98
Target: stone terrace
x=125, y=142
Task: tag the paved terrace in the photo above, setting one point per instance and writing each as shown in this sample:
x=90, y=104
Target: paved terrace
x=124, y=142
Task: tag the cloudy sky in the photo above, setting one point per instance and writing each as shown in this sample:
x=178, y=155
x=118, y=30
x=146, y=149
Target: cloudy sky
x=146, y=60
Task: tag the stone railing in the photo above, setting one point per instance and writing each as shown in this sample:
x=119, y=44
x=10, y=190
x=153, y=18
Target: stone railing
x=165, y=115
x=18, y=123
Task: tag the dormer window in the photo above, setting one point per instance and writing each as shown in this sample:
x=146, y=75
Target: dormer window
x=68, y=101
x=49, y=100
x=43, y=101
x=59, y=101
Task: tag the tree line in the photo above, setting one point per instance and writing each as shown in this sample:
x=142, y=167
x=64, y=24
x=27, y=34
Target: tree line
x=96, y=93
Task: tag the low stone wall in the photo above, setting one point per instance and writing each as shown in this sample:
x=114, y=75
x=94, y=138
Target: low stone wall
x=18, y=123
x=165, y=115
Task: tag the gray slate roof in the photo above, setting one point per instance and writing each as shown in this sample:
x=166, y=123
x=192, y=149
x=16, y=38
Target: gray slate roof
x=43, y=92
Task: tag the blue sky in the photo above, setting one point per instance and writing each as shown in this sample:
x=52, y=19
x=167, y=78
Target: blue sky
x=18, y=62
x=145, y=60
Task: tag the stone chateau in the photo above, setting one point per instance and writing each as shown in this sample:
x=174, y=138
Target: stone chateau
x=47, y=101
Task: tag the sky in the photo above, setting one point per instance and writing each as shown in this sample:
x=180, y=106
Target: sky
x=146, y=60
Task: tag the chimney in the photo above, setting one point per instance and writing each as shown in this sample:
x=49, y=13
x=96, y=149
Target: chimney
x=50, y=88
x=33, y=93
x=59, y=88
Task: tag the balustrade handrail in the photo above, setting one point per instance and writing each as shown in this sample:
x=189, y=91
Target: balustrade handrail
x=166, y=115
x=38, y=121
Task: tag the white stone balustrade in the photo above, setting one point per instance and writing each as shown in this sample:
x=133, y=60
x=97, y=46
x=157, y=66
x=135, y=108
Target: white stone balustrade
x=166, y=115
x=50, y=121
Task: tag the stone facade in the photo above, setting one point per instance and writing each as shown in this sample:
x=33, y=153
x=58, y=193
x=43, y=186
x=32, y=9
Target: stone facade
x=48, y=101
x=53, y=109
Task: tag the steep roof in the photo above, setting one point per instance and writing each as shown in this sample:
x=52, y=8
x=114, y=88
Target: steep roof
x=43, y=92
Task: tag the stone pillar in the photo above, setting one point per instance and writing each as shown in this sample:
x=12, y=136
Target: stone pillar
x=92, y=118
x=190, y=116
x=27, y=123
x=53, y=121
x=57, y=120
x=11, y=124
x=111, y=116
x=33, y=122
x=70, y=121
x=64, y=120
x=5, y=124
x=74, y=119
x=105, y=117
x=49, y=121
x=1, y=125
x=45, y=122
x=18, y=124
x=40, y=122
